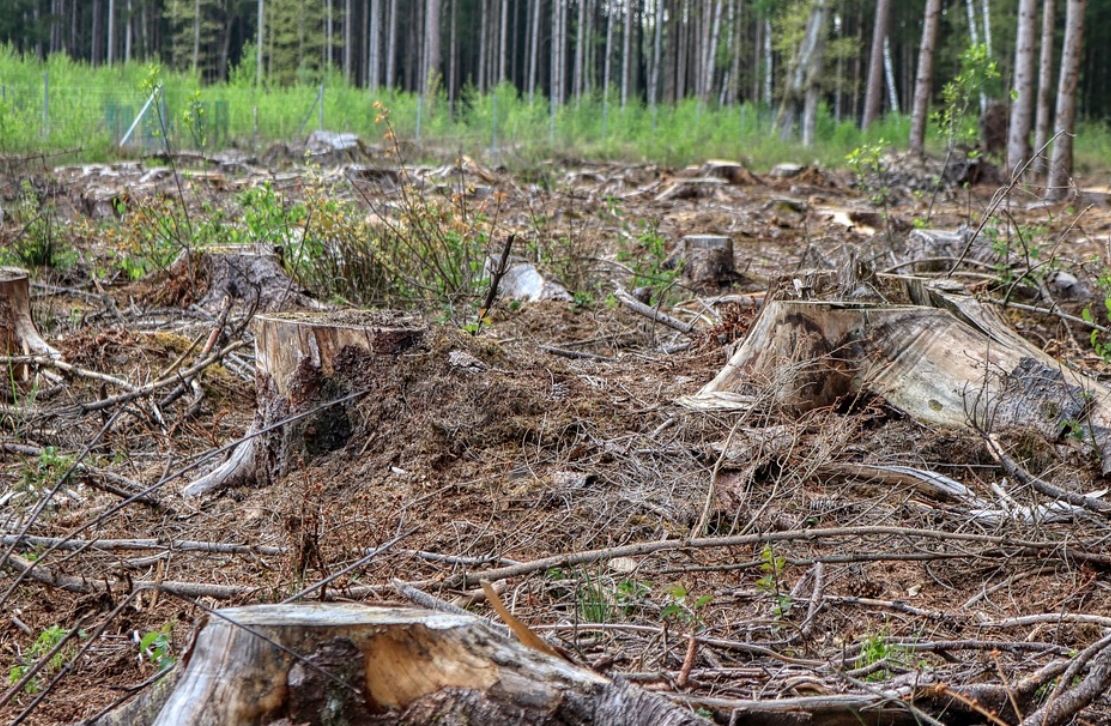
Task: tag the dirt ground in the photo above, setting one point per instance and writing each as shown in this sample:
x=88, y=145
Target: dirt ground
x=561, y=434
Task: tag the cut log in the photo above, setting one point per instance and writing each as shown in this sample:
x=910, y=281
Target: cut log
x=304, y=361
x=954, y=363
x=18, y=334
x=311, y=664
x=251, y=274
x=708, y=260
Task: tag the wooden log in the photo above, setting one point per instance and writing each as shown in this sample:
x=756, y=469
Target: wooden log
x=303, y=361
x=311, y=664
x=18, y=334
x=708, y=260
x=955, y=364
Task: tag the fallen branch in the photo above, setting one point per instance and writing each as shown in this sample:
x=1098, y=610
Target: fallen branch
x=652, y=313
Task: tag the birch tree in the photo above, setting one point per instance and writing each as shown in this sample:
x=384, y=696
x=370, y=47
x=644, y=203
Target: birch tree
x=1060, y=165
x=1045, y=84
x=1022, y=107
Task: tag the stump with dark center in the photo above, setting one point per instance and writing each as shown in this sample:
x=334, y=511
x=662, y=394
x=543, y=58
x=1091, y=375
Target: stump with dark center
x=309, y=369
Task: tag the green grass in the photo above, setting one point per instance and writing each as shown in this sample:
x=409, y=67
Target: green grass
x=89, y=106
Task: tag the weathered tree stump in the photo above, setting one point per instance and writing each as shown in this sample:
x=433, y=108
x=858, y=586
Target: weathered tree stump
x=708, y=260
x=949, y=361
x=303, y=362
x=251, y=274
x=359, y=665
x=18, y=334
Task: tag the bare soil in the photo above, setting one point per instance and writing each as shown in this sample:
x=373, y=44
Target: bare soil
x=831, y=584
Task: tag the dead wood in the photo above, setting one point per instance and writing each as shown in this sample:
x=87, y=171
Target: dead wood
x=951, y=363
x=312, y=664
x=303, y=360
x=18, y=334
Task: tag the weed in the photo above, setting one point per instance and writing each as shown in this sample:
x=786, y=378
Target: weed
x=38, y=473
x=157, y=647
x=771, y=582
x=40, y=242
x=878, y=648
x=46, y=641
x=683, y=607
x=977, y=76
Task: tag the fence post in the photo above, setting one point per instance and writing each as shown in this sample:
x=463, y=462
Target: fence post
x=420, y=105
x=320, y=100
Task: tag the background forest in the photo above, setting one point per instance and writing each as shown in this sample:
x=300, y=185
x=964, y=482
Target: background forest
x=578, y=62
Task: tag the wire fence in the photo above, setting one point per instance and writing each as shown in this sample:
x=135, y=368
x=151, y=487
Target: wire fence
x=97, y=119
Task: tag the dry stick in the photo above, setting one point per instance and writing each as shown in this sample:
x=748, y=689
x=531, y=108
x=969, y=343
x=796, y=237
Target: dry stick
x=644, y=548
x=1060, y=709
x=47, y=362
x=1046, y=311
x=652, y=314
x=161, y=383
x=99, y=519
x=688, y=661
x=1022, y=476
x=144, y=544
x=85, y=586
x=350, y=568
x=495, y=279
x=996, y=200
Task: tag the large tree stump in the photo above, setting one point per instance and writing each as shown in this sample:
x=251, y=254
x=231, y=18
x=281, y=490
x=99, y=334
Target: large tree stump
x=303, y=361
x=359, y=665
x=247, y=273
x=708, y=260
x=949, y=361
x=18, y=334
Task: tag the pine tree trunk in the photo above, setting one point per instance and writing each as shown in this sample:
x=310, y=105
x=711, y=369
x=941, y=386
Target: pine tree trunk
x=391, y=46
x=373, y=74
x=347, y=48
x=626, y=52
x=657, y=49
x=98, y=41
x=111, y=31
x=873, y=93
x=196, y=35
x=813, y=73
x=1022, y=107
x=261, y=38
x=534, y=49
x=432, y=39
x=1060, y=166
x=923, y=82
x=1045, y=85
x=503, y=37
x=127, y=35
x=711, y=54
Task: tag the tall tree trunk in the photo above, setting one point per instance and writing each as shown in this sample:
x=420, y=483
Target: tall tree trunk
x=1045, y=84
x=261, y=37
x=657, y=49
x=534, y=49
x=608, y=57
x=327, y=60
x=769, y=65
x=453, y=63
x=374, y=55
x=626, y=52
x=483, y=24
x=580, y=50
x=503, y=38
x=111, y=31
x=820, y=16
x=889, y=74
x=432, y=40
x=711, y=54
x=347, y=48
x=1022, y=107
x=923, y=82
x=1060, y=166
x=873, y=93
x=127, y=35
x=391, y=46
x=553, y=76
x=196, y=35
x=98, y=41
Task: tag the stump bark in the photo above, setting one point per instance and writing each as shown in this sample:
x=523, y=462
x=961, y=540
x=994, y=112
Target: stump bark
x=708, y=260
x=18, y=334
x=360, y=665
x=303, y=362
x=948, y=361
x=250, y=273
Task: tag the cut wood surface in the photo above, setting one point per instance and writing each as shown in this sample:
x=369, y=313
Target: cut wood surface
x=950, y=362
x=354, y=664
x=18, y=333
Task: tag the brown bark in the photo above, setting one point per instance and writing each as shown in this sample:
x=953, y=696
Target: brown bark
x=18, y=334
x=873, y=94
x=708, y=260
x=304, y=361
x=324, y=664
x=923, y=82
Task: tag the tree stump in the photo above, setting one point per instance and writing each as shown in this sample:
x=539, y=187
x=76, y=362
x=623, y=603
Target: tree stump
x=18, y=334
x=311, y=664
x=303, y=361
x=250, y=273
x=708, y=260
x=949, y=362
